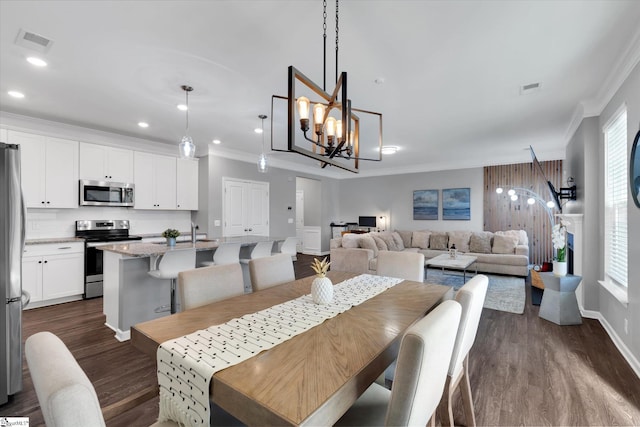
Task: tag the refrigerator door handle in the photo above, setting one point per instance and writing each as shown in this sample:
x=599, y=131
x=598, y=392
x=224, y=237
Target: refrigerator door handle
x=24, y=220
x=26, y=298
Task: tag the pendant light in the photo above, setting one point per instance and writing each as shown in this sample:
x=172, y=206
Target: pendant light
x=262, y=160
x=187, y=148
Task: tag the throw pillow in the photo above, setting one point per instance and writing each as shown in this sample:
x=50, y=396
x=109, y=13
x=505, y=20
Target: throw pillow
x=382, y=246
x=504, y=244
x=388, y=239
x=367, y=242
x=351, y=240
x=406, y=237
x=521, y=235
x=439, y=241
x=399, y=241
x=480, y=243
x=460, y=239
x=335, y=243
x=420, y=239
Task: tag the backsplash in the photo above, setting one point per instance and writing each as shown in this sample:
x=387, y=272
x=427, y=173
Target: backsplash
x=45, y=223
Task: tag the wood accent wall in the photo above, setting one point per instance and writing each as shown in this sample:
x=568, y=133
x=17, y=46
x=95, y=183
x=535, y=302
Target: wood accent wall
x=500, y=213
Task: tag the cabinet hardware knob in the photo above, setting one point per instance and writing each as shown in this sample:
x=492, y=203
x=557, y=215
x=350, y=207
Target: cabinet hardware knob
x=48, y=202
x=42, y=202
x=46, y=261
x=39, y=262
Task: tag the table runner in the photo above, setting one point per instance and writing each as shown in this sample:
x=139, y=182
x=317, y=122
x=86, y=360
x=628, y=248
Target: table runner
x=187, y=364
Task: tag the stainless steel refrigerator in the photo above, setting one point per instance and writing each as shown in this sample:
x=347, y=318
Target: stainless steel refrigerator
x=12, y=232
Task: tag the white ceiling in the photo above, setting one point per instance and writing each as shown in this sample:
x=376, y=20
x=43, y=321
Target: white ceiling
x=452, y=70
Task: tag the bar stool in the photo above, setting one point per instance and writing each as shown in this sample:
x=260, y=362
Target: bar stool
x=173, y=262
x=260, y=250
x=289, y=247
x=226, y=253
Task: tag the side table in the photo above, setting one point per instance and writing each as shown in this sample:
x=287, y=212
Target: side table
x=559, y=304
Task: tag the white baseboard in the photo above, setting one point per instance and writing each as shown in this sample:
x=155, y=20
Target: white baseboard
x=120, y=334
x=617, y=341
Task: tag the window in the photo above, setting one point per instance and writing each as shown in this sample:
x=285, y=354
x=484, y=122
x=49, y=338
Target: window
x=616, y=184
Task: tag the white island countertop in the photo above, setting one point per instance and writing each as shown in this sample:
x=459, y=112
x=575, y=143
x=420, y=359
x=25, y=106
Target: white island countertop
x=141, y=249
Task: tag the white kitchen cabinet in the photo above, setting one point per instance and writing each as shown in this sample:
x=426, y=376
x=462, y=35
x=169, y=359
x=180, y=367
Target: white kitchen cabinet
x=245, y=207
x=155, y=180
x=3, y=135
x=187, y=184
x=49, y=170
x=53, y=273
x=102, y=163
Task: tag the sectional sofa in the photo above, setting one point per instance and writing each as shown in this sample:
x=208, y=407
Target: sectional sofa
x=502, y=252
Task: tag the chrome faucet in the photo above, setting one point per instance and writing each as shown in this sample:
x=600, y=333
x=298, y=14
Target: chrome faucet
x=194, y=227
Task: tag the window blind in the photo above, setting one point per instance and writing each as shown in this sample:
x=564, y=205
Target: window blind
x=616, y=184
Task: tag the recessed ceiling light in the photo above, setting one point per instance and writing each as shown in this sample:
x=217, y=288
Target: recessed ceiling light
x=36, y=61
x=389, y=149
x=182, y=107
x=216, y=141
x=143, y=124
x=16, y=94
x=257, y=130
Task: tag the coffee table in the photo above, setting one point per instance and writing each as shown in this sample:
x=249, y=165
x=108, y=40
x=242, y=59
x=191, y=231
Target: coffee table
x=460, y=262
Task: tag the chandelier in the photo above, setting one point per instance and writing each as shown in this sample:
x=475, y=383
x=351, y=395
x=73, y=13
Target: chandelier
x=187, y=148
x=334, y=138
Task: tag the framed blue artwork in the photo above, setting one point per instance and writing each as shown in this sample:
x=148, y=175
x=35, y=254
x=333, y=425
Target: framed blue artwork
x=456, y=204
x=425, y=204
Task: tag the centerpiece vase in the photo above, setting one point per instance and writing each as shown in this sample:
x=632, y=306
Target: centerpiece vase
x=322, y=290
x=171, y=241
x=559, y=268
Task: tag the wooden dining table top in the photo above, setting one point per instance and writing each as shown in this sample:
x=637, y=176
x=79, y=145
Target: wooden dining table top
x=313, y=378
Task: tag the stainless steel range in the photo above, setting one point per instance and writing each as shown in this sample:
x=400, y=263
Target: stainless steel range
x=99, y=233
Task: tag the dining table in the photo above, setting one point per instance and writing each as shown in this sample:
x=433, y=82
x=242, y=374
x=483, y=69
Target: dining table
x=314, y=377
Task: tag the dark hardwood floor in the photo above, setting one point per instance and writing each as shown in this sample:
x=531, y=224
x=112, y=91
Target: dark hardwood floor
x=523, y=369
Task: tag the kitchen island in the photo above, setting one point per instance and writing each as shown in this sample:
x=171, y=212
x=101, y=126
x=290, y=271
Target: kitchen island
x=131, y=295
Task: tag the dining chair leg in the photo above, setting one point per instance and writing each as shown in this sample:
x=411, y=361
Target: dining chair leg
x=465, y=392
x=445, y=410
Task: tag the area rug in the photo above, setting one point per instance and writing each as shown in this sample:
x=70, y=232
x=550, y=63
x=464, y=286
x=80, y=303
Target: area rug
x=505, y=293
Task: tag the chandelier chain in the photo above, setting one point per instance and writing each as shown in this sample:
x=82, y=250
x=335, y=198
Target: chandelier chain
x=324, y=43
x=337, y=39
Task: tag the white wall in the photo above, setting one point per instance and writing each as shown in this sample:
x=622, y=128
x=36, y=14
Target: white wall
x=585, y=154
x=392, y=196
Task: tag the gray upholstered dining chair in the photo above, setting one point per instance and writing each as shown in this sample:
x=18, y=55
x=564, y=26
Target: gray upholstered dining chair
x=271, y=271
x=173, y=262
x=404, y=265
x=66, y=396
x=226, y=253
x=423, y=360
x=471, y=297
x=205, y=285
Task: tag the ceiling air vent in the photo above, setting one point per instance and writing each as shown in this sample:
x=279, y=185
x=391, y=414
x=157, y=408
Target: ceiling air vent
x=530, y=88
x=33, y=41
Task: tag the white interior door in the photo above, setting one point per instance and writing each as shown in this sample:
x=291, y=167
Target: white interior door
x=245, y=208
x=300, y=219
x=234, y=208
x=258, y=208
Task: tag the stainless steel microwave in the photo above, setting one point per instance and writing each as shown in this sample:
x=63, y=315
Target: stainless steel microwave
x=104, y=193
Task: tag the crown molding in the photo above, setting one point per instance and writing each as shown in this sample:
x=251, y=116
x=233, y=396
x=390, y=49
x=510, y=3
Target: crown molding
x=619, y=73
x=46, y=127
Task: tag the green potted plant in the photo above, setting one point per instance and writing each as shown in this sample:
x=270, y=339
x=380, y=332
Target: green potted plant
x=170, y=234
